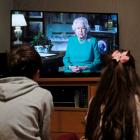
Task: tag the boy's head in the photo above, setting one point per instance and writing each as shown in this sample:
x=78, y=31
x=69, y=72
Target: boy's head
x=24, y=61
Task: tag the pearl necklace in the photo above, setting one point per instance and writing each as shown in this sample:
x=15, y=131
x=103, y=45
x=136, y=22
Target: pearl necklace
x=81, y=41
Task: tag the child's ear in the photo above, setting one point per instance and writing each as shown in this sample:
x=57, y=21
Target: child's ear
x=36, y=75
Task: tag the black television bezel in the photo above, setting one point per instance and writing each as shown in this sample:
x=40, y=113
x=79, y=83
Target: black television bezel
x=62, y=74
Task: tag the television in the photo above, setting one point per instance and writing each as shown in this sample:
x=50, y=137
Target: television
x=56, y=28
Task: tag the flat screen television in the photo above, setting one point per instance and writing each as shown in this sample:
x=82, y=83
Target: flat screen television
x=56, y=28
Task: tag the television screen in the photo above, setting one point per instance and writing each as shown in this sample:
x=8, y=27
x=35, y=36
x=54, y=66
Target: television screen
x=54, y=38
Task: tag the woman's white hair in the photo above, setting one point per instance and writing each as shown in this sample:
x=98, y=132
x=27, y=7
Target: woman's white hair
x=82, y=20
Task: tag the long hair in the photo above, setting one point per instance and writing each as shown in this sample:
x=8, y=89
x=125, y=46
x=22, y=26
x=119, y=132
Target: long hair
x=112, y=113
x=24, y=61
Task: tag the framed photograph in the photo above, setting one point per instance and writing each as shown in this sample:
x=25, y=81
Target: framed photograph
x=69, y=18
x=58, y=18
x=35, y=14
x=35, y=27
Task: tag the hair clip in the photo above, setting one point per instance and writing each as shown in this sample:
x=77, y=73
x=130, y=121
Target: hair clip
x=120, y=57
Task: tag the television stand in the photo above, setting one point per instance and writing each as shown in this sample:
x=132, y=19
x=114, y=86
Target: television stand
x=71, y=97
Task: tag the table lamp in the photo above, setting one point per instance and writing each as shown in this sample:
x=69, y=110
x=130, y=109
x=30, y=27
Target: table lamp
x=18, y=20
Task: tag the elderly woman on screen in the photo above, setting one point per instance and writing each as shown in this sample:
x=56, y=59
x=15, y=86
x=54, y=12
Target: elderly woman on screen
x=82, y=54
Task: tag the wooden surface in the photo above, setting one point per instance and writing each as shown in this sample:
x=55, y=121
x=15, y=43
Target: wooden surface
x=67, y=120
x=69, y=81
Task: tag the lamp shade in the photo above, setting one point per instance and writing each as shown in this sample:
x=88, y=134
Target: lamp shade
x=18, y=20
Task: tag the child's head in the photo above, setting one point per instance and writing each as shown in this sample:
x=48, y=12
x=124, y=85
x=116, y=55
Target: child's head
x=114, y=100
x=24, y=61
x=121, y=66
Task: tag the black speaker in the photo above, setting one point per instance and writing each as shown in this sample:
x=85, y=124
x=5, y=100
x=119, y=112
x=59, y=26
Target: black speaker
x=3, y=64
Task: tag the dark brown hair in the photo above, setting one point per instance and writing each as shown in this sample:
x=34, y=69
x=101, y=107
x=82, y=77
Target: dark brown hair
x=112, y=113
x=24, y=61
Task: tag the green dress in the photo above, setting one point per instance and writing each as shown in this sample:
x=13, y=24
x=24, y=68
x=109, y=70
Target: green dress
x=84, y=53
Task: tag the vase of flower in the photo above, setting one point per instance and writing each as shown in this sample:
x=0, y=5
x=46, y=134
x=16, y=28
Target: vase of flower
x=41, y=49
x=41, y=43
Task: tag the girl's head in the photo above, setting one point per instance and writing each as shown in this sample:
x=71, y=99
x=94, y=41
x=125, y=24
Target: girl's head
x=81, y=27
x=112, y=113
x=119, y=75
x=122, y=65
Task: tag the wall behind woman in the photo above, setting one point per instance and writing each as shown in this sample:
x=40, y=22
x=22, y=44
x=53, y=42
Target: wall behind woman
x=5, y=6
x=129, y=21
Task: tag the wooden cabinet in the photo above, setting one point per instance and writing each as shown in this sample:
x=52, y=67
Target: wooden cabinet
x=68, y=119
